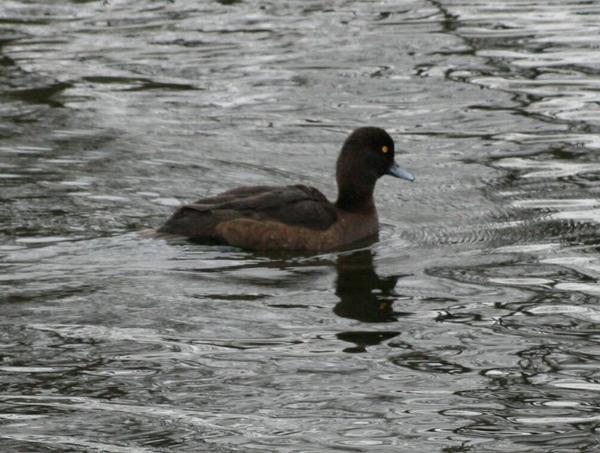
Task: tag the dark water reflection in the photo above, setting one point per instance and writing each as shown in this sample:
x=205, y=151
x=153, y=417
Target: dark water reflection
x=471, y=325
x=363, y=294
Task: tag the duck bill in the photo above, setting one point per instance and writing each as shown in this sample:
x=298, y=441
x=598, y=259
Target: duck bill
x=397, y=172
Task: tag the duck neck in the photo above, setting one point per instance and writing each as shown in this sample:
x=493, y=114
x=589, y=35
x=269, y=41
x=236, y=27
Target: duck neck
x=358, y=198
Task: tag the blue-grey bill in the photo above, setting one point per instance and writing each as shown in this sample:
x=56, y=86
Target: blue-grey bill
x=396, y=171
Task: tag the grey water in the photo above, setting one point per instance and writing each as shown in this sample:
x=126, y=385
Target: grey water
x=471, y=325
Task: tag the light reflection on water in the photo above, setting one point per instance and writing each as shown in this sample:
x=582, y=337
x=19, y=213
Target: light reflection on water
x=471, y=325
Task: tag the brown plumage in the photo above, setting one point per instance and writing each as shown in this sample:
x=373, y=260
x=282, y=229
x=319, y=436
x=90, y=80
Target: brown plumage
x=297, y=217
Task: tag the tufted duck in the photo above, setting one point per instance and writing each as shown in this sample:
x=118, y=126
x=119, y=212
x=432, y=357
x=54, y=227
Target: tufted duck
x=298, y=217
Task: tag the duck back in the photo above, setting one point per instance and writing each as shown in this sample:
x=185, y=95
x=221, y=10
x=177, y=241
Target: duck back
x=294, y=206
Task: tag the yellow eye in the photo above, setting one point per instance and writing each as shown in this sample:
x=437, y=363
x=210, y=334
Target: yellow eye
x=384, y=149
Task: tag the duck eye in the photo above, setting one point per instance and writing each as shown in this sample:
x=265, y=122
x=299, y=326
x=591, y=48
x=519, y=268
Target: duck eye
x=384, y=149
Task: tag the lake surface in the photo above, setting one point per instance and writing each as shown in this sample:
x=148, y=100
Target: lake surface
x=472, y=325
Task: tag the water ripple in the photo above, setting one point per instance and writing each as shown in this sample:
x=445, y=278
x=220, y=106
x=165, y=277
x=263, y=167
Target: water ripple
x=471, y=325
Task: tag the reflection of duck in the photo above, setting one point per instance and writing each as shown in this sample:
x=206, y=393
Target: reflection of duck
x=298, y=217
x=363, y=294
x=364, y=339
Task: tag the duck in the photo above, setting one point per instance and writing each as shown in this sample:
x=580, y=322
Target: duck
x=297, y=217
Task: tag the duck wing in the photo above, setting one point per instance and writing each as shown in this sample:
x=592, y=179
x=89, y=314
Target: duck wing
x=298, y=205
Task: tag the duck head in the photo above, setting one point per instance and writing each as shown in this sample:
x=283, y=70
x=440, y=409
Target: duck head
x=367, y=155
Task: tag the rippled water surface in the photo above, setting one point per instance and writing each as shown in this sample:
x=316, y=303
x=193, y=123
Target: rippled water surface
x=473, y=324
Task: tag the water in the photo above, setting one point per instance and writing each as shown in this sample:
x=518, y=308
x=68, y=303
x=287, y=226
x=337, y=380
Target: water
x=471, y=325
